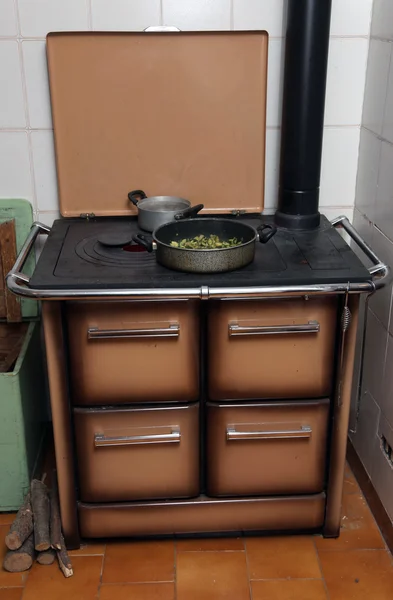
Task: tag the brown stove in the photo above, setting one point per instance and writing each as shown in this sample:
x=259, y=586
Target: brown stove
x=183, y=403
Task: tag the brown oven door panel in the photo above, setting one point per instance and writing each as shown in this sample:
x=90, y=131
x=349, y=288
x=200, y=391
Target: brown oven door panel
x=272, y=348
x=133, y=352
x=269, y=448
x=132, y=454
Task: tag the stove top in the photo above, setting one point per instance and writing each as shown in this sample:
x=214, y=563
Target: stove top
x=73, y=258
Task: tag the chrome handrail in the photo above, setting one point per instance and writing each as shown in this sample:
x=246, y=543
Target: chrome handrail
x=19, y=283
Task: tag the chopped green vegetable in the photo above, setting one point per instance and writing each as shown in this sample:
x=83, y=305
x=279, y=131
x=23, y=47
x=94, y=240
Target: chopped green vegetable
x=202, y=242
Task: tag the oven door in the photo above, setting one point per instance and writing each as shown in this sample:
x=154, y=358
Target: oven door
x=133, y=352
x=267, y=448
x=272, y=349
x=133, y=454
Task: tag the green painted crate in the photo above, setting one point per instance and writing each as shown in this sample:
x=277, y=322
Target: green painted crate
x=23, y=420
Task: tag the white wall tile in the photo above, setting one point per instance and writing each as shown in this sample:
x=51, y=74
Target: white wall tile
x=272, y=166
x=197, y=14
x=8, y=25
x=365, y=228
x=351, y=17
x=123, y=15
x=339, y=166
x=44, y=170
x=382, y=21
x=384, y=201
x=365, y=439
x=37, y=84
x=333, y=212
x=255, y=14
x=39, y=17
x=47, y=217
x=376, y=85
x=12, y=110
x=380, y=301
x=345, y=81
x=275, y=82
x=382, y=473
x=367, y=176
x=387, y=386
x=387, y=126
x=374, y=356
x=15, y=172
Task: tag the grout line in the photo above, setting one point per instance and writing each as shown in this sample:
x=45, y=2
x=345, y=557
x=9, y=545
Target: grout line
x=175, y=568
x=101, y=574
x=130, y=583
x=161, y=12
x=17, y=17
x=248, y=569
x=32, y=173
x=320, y=568
x=232, y=16
x=89, y=14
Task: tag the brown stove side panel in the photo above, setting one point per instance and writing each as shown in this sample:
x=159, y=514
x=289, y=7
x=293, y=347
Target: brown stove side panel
x=339, y=433
x=284, y=513
x=109, y=370
x=285, y=365
x=61, y=419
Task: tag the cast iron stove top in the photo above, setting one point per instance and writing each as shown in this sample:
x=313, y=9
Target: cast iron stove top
x=73, y=258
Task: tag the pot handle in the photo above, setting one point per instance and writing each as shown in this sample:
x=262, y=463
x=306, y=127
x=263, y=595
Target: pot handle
x=266, y=232
x=144, y=240
x=135, y=196
x=188, y=213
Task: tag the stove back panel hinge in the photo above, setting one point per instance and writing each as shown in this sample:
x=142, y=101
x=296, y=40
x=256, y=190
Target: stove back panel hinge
x=87, y=216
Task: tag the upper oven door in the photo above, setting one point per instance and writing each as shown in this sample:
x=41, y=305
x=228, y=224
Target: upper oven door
x=133, y=352
x=272, y=349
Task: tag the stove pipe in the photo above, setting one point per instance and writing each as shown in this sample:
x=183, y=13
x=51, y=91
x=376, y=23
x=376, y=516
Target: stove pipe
x=306, y=57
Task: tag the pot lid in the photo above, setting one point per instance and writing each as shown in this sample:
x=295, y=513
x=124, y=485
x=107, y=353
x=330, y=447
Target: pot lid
x=177, y=114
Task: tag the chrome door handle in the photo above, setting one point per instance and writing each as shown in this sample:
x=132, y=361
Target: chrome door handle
x=171, y=437
x=239, y=330
x=302, y=432
x=173, y=331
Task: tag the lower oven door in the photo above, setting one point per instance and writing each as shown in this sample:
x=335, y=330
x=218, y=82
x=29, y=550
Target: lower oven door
x=133, y=454
x=267, y=448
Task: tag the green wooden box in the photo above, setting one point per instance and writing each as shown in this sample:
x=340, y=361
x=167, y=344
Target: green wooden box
x=23, y=420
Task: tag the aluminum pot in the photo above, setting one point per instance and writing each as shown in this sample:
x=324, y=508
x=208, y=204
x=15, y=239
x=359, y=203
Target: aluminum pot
x=218, y=260
x=158, y=210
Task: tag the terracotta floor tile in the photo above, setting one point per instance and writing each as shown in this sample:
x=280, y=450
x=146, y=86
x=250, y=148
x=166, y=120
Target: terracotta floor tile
x=11, y=593
x=351, y=486
x=212, y=576
x=88, y=549
x=138, y=562
x=138, y=591
x=358, y=528
x=282, y=558
x=289, y=589
x=8, y=579
x=211, y=544
x=6, y=518
x=358, y=574
x=49, y=583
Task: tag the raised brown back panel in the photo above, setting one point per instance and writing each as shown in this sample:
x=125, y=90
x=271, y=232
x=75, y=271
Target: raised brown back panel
x=171, y=113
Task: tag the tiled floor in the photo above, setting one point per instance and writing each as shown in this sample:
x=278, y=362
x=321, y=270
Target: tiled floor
x=356, y=566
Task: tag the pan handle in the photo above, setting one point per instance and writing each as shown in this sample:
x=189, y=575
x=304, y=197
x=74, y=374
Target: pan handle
x=188, y=213
x=266, y=232
x=135, y=196
x=144, y=240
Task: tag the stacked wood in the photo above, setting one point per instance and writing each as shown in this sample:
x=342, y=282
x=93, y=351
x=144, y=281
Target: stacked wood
x=36, y=532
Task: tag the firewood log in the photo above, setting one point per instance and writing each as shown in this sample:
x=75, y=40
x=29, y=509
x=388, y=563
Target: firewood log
x=41, y=512
x=64, y=560
x=55, y=521
x=21, y=559
x=22, y=527
x=47, y=557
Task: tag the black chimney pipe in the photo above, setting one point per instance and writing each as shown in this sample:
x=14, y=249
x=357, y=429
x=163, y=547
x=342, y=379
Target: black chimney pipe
x=306, y=57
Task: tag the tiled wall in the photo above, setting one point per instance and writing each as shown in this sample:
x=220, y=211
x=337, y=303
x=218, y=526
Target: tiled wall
x=26, y=142
x=373, y=217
